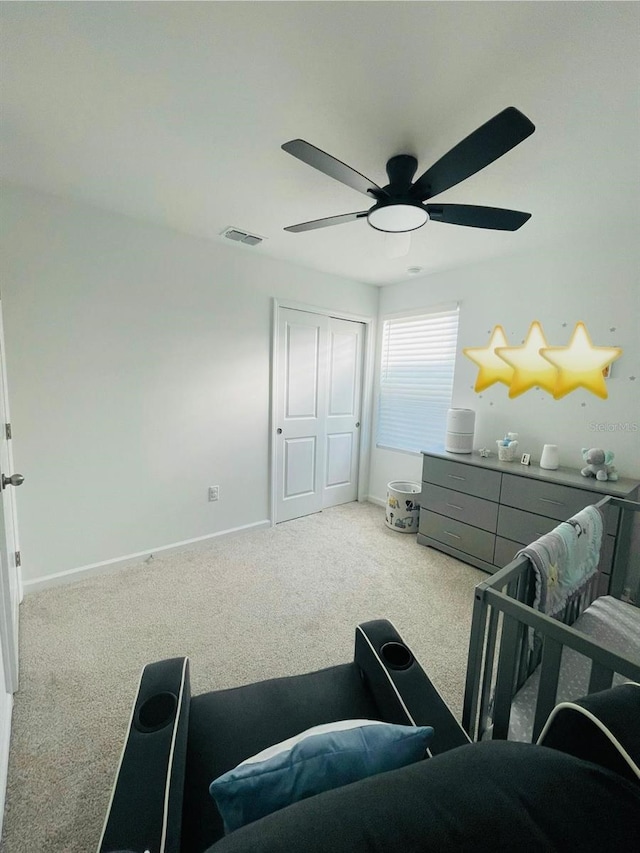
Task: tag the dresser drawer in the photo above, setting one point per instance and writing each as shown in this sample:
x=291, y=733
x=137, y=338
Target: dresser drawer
x=462, y=478
x=505, y=551
x=471, y=540
x=475, y=511
x=506, y=548
x=549, y=499
x=523, y=527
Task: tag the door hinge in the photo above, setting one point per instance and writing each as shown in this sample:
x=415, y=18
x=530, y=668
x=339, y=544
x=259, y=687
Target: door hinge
x=7, y=429
x=18, y=559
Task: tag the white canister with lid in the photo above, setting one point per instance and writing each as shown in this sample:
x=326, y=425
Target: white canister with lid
x=550, y=459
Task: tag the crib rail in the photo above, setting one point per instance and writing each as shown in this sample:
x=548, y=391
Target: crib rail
x=501, y=657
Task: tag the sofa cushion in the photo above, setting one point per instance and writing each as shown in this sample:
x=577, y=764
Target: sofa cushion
x=316, y=760
x=227, y=726
x=493, y=796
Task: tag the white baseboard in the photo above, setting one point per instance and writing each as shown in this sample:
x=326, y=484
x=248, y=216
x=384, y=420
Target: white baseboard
x=82, y=572
x=378, y=501
x=6, y=709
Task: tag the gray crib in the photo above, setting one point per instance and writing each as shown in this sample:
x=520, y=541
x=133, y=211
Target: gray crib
x=507, y=672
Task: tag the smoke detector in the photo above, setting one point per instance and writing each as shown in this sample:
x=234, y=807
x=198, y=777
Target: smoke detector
x=240, y=236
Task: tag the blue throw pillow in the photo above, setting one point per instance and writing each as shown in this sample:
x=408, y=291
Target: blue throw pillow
x=316, y=760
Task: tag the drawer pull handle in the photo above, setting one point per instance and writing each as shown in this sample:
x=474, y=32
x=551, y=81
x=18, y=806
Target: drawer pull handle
x=455, y=506
x=455, y=535
x=549, y=501
x=455, y=477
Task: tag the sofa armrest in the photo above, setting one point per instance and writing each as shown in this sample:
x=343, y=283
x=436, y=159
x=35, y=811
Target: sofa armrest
x=145, y=810
x=403, y=692
x=601, y=727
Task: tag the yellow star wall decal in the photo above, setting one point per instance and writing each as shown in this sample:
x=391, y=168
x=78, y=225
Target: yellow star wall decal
x=492, y=367
x=530, y=370
x=580, y=364
x=535, y=364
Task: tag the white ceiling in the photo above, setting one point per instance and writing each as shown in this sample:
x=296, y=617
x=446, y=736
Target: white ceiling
x=175, y=113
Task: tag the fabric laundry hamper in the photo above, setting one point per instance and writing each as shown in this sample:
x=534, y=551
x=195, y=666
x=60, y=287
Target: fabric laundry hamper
x=403, y=506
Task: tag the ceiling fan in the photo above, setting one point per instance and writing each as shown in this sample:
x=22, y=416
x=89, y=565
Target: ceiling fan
x=400, y=205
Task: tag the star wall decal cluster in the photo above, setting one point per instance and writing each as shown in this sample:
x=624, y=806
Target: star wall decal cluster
x=535, y=364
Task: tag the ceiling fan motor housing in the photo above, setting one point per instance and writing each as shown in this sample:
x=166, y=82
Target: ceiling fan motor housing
x=395, y=210
x=401, y=170
x=397, y=215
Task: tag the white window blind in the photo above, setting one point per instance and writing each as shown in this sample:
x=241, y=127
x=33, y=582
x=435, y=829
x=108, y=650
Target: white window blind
x=416, y=379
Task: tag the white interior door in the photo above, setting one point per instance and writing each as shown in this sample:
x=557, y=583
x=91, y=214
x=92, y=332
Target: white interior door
x=344, y=401
x=10, y=591
x=318, y=400
x=301, y=403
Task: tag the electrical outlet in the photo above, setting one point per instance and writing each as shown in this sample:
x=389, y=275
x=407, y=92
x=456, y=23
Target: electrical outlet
x=214, y=493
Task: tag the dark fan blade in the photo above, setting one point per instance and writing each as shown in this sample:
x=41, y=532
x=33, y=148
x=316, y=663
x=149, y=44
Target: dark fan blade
x=499, y=135
x=474, y=216
x=330, y=166
x=329, y=220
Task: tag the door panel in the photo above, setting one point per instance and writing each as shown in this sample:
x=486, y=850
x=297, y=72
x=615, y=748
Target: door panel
x=302, y=351
x=343, y=374
x=346, y=349
x=300, y=466
x=339, y=458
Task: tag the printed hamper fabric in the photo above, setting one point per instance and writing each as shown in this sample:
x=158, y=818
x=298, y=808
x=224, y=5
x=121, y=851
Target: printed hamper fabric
x=614, y=625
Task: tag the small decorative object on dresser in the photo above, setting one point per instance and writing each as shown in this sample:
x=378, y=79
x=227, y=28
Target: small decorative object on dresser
x=599, y=464
x=460, y=427
x=550, y=459
x=507, y=447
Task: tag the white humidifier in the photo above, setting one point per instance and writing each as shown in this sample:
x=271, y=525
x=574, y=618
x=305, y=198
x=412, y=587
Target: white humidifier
x=460, y=426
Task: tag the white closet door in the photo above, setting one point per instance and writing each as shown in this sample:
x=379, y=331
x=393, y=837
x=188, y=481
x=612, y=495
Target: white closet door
x=343, y=412
x=301, y=405
x=318, y=411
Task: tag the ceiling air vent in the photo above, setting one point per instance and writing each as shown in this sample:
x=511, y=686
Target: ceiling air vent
x=239, y=236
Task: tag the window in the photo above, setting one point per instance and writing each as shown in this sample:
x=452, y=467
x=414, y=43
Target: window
x=416, y=379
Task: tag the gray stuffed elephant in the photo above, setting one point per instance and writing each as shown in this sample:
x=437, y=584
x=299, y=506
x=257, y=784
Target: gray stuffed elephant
x=598, y=464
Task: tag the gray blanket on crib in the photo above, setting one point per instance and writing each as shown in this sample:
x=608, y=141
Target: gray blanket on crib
x=564, y=561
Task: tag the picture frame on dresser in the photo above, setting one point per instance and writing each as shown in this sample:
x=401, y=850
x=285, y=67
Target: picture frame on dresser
x=483, y=511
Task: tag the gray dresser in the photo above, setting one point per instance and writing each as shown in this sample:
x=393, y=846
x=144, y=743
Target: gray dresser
x=483, y=511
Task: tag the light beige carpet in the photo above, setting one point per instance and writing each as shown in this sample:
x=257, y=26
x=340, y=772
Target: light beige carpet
x=245, y=607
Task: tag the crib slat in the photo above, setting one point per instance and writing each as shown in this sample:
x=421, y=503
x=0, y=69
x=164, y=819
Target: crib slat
x=548, y=687
x=621, y=552
x=601, y=677
x=506, y=676
x=487, y=671
x=474, y=663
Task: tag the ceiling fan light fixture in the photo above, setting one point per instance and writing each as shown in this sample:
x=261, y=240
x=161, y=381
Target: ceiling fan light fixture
x=396, y=218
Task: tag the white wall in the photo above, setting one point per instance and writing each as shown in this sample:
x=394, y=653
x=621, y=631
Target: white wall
x=138, y=365
x=590, y=277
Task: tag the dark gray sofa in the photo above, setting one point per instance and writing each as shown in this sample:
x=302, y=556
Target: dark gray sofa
x=490, y=796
